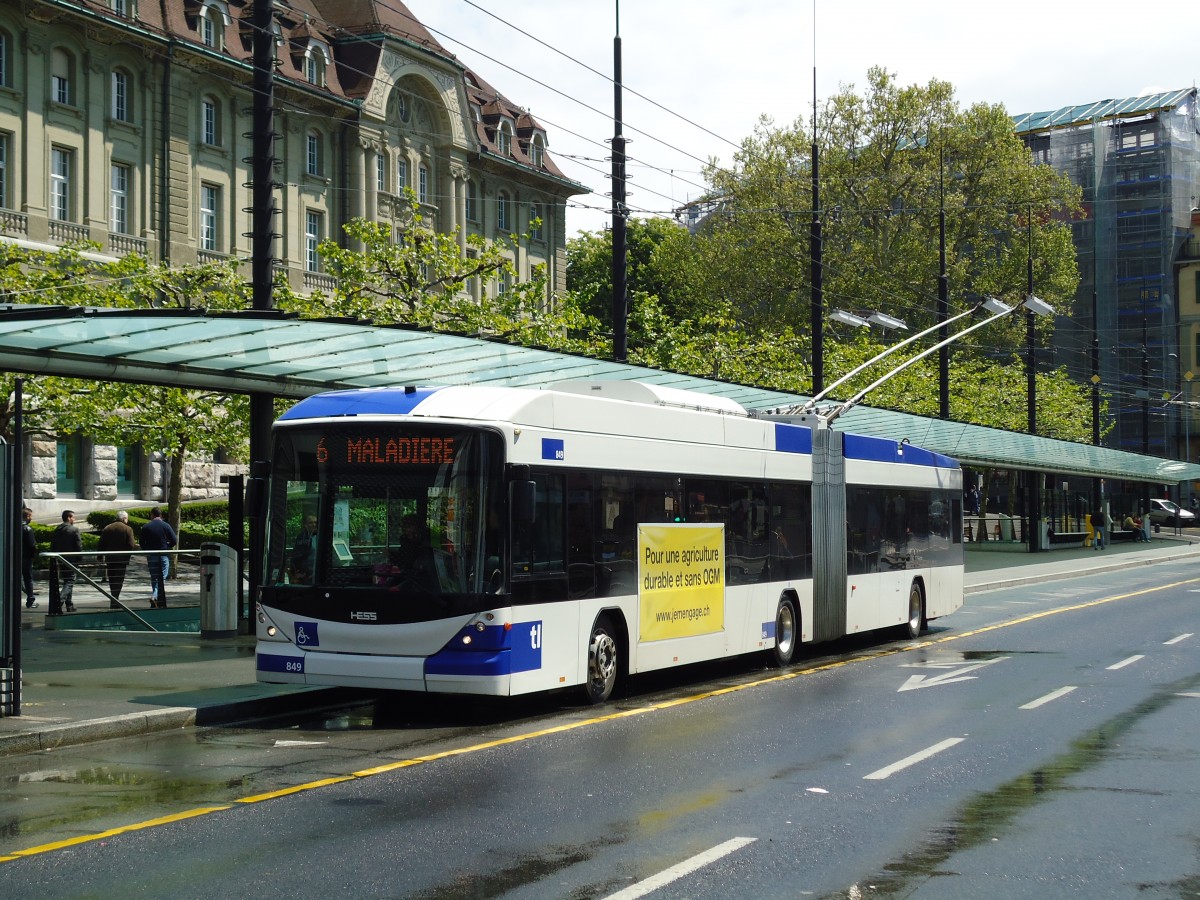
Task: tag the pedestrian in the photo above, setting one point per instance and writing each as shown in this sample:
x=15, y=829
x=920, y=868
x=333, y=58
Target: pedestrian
x=116, y=536
x=304, y=551
x=1098, y=527
x=157, y=534
x=973, y=500
x=66, y=539
x=28, y=552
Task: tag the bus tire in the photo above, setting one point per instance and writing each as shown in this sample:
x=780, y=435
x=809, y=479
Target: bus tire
x=915, y=625
x=786, y=633
x=604, y=658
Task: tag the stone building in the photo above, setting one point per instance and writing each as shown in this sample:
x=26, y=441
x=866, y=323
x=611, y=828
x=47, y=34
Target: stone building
x=128, y=122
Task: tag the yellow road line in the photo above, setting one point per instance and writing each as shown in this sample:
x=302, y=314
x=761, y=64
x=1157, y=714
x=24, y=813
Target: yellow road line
x=88, y=838
x=583, y=723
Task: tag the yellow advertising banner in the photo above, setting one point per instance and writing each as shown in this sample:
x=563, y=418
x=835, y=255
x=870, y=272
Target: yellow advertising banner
x=681, y=580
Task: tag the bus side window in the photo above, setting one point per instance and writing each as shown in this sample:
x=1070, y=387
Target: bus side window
x=538, y=545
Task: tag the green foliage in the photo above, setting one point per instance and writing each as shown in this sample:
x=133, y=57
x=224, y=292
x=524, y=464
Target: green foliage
x=652, y=269
x=890, y=160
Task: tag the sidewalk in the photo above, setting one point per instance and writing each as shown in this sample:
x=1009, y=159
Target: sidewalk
x=83, y=686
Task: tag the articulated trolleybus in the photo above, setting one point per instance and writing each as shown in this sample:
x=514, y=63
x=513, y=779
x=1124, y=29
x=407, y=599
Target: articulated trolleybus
x=487, y=540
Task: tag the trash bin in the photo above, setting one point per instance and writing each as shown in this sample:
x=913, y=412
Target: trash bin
x=1006, y=527
x=218, y=591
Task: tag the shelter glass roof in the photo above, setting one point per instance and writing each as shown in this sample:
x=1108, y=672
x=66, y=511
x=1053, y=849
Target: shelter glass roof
x=273, y=353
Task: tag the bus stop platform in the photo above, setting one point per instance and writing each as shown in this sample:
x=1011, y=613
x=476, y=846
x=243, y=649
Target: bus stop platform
x=82, y=685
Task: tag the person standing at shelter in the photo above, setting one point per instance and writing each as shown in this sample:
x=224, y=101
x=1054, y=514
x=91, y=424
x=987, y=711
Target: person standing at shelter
x=157, y=534
x=116, y=536
x=1098, y=522
x=304, y=551
x=66, y=539
x=28, y=552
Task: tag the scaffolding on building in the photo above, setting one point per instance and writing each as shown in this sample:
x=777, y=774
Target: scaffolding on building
x=1137, y=161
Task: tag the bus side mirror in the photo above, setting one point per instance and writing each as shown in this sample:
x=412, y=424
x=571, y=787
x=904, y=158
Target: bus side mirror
x=256, y=494
x=523, y=501
x=256, y=490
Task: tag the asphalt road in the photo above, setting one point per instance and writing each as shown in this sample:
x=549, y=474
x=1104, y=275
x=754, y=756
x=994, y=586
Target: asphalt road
x=1042, y=742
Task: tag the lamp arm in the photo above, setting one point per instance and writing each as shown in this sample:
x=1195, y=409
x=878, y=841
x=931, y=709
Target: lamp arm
x=853, y=401
x=809, y=404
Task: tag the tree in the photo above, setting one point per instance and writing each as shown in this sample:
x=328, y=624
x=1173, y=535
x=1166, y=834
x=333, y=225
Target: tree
x=889, y=161
x=652, y=269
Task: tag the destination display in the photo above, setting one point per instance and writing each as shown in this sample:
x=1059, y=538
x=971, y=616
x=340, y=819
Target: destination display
x=388, y=450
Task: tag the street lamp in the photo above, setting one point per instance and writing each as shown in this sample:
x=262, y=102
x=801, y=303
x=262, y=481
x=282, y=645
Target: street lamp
x=886, y=321
x=991, y=304
x=883, y=320
x=848, y=318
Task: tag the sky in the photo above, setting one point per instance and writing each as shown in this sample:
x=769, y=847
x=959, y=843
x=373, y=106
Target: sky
x=708, y=70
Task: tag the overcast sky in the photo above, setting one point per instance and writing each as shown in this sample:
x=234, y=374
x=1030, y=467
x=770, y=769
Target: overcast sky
x=723, y=63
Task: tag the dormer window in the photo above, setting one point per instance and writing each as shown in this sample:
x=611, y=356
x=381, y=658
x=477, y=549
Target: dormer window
x=537, y=151
x=211, y=22
x=316, y=63
x=504, y=139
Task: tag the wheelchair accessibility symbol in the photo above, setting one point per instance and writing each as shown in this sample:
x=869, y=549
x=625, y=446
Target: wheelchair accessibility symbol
x=306, y=635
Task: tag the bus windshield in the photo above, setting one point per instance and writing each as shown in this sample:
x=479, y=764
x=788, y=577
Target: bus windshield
x=396, y=507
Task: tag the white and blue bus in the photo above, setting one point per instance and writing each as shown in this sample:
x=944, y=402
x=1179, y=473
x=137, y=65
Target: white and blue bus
x=489, y=540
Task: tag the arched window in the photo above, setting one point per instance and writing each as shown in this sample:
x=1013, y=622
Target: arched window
x=122, y=98
x=536, y=151
x=62, y=184
x=313, y=154
x=472, y=201
x=535, y=221
x=401, y=174
x=403, y=110
x=210, y=121
x=62, y=71
x=211, y=22
x=504, y=139
x=210, y=217
x=502, y=212
x=6, y=52
x=315, y=64
x=423, y=184
x=119, y=195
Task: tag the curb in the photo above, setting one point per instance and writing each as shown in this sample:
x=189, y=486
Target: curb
x=1092, y=570
x=54, y=737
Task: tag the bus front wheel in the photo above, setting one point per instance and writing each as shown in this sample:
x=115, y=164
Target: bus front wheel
x=785, y=635
x=603, y=661
x=916, y=612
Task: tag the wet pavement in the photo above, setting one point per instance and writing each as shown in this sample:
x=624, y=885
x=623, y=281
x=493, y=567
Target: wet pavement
x=81, y=684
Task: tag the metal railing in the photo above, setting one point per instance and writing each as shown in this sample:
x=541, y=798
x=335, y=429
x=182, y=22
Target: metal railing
x=91, y=567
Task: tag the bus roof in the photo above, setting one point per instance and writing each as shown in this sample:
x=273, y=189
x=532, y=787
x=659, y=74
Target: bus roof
x=597, y=407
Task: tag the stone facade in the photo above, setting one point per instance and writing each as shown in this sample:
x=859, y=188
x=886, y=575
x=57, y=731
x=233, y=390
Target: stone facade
x=131, y=128
x=99, y=487
x=128, y=124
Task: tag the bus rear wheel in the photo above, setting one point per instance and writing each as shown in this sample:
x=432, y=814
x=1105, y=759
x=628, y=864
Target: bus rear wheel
x=916, y=612
x=603, y=661
x=784, y=650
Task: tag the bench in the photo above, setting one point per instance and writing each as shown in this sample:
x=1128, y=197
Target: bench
x=1069, y=537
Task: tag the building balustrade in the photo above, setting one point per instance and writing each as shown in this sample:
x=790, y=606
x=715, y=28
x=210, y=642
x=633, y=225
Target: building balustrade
x=67, y=232
x=12, y=222
x=318, y=281
x=126, y=244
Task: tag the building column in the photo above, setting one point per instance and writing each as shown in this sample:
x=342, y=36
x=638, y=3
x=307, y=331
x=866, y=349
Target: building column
x=457, y=219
